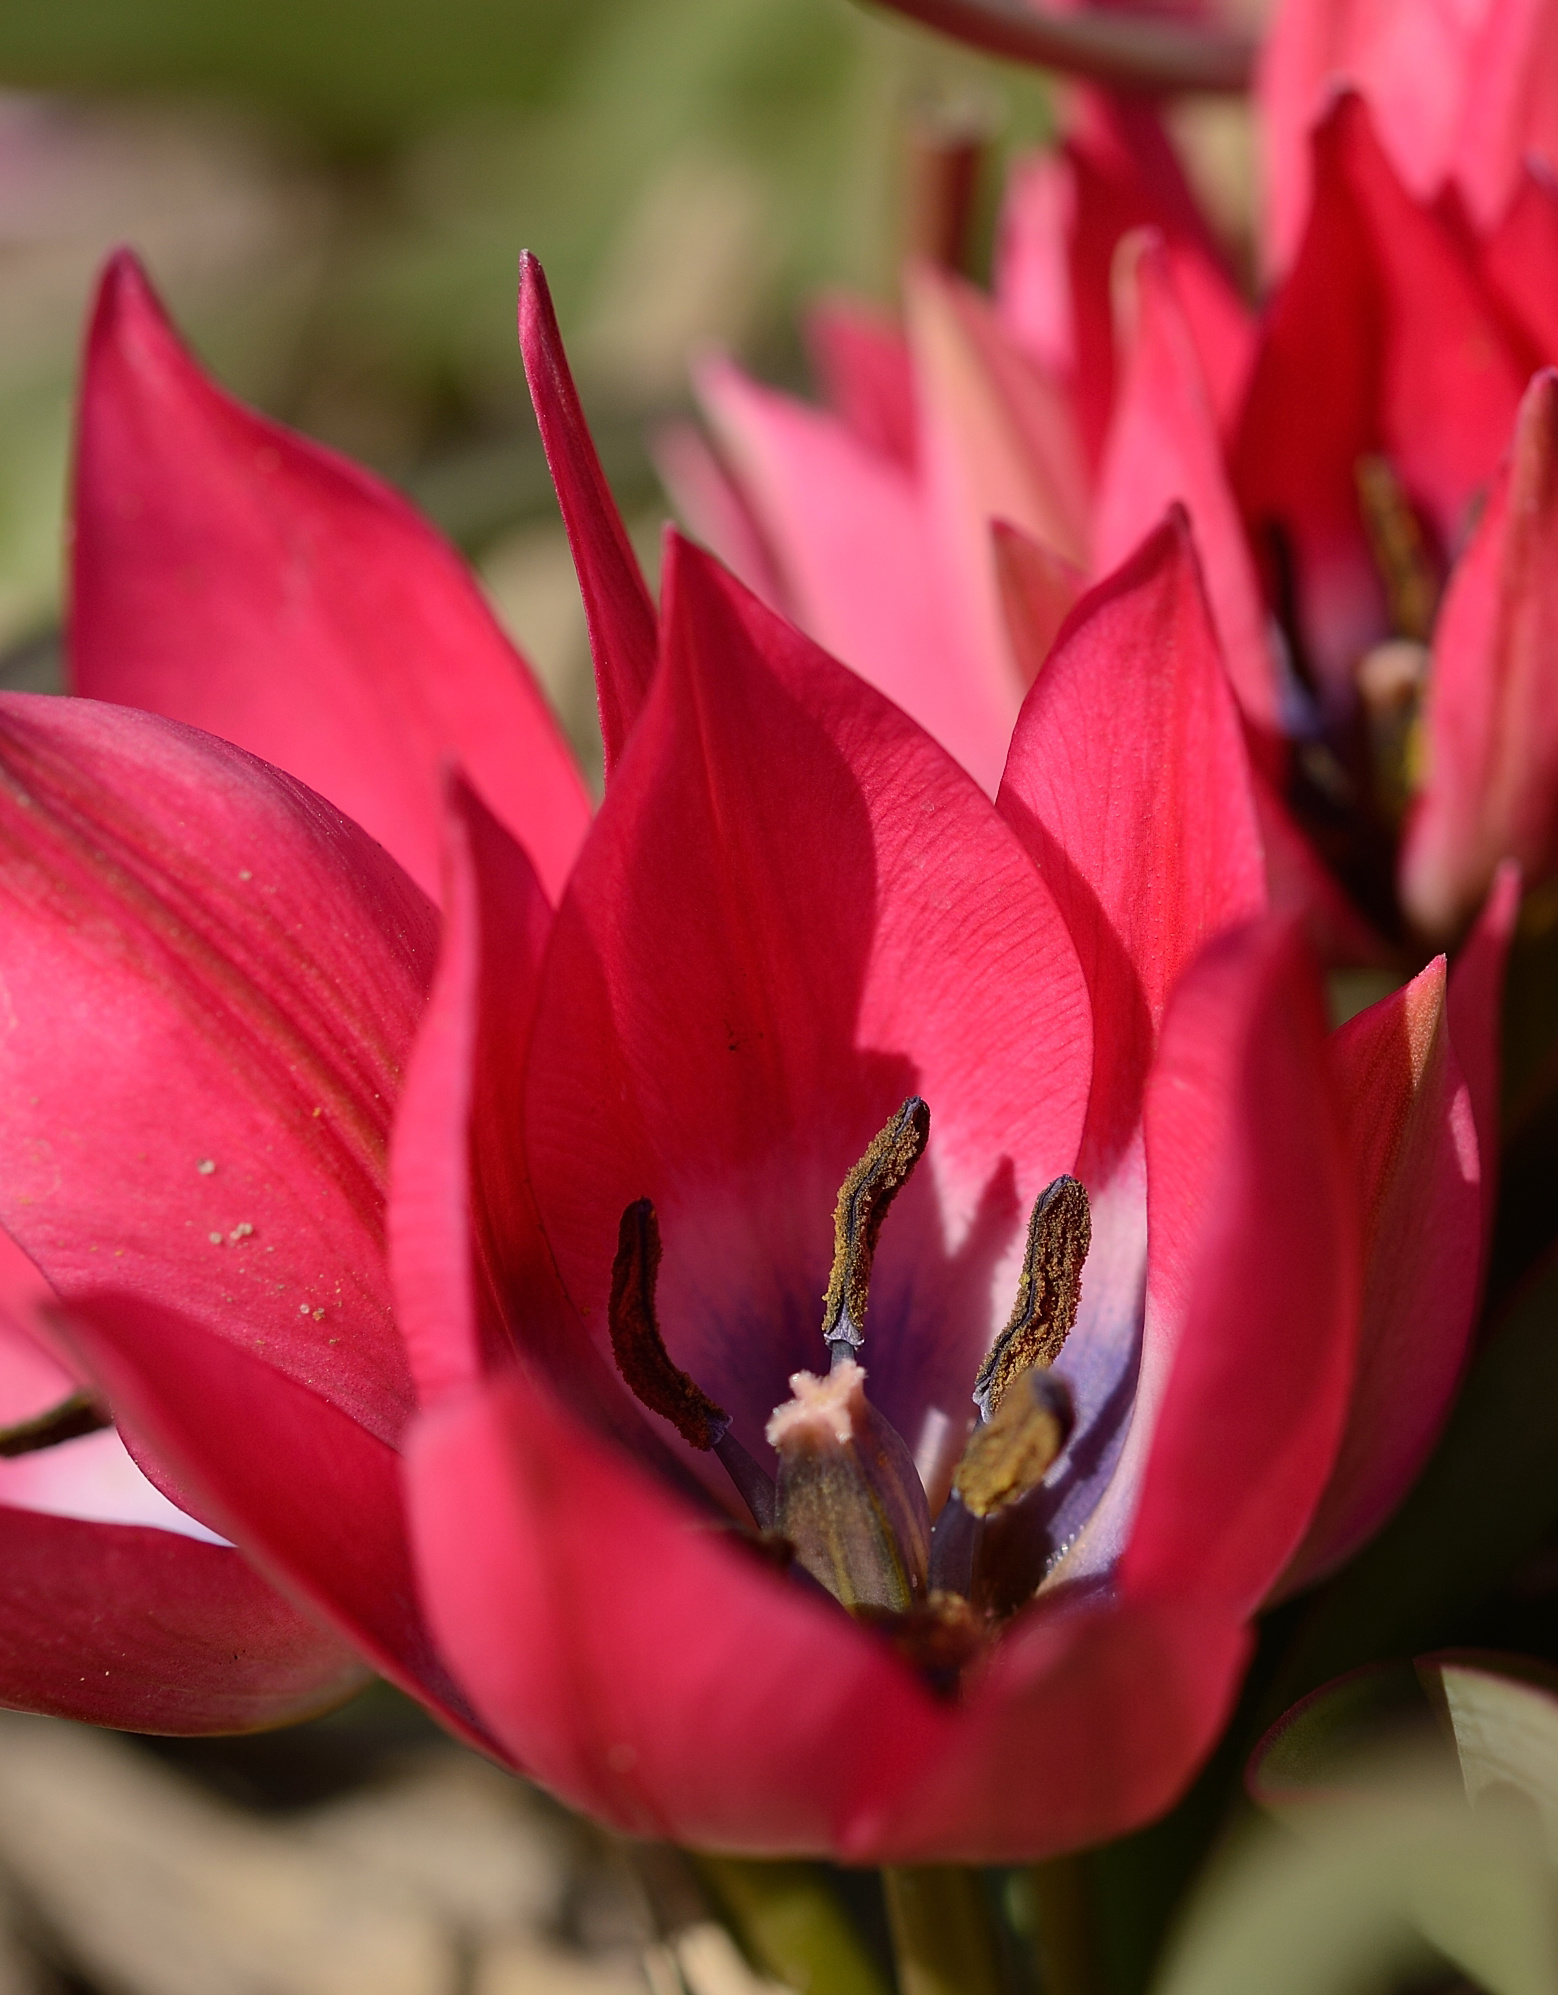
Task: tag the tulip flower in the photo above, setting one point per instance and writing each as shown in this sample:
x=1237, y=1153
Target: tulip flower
x=212, y=979
x=933, y=524
x=795, y=927
x=234, y=924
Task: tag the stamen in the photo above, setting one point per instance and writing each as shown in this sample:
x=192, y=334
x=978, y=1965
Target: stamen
x=1396, y=542
x=637, y=1344
x=1048, y=1292
x=79, y=1414
x=863, y=1200
x=1010, y=1454
x=651, y=1375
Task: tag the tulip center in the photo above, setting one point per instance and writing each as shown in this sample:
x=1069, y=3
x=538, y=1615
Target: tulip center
x=844, y=1507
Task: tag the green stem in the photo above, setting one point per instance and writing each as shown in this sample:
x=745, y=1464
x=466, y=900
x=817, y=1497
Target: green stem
x=1063, y=1938
x=943, y=1939
x=1132, y=50
x=791, y=1925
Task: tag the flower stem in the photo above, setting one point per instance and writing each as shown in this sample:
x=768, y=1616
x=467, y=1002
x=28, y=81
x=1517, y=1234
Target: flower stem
x=792, y=1925
x=1063, y=1939
x=1130, y=49
x=943, y=1939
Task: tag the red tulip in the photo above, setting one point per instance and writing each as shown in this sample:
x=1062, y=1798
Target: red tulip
x=793, y=912
x=932, y=526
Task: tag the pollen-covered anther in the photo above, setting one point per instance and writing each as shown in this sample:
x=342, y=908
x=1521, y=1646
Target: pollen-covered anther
x=1396, y=542
x=1049, y=1291
x=651, y=1375
x=1010, y=1454
x=636, y=1343
x=863, y=1202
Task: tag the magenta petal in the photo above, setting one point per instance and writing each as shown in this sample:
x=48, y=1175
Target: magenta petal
x=1414, y=1142
x=793, y=911
x=1129, y=784
x=115, y=1625
x=636, y=1661
x=1252, y=1278
x=1381, y=340
x=1491, y=717
x=1519, y=260
x=1113, y=1704
x=213, y=979
x=1163, y=446
x=617, y=605
x=852, y=537
x=496, y=924
x=650, y=1670
x=234, y=575
x=313, y=1498
x=33, y=1379
x=1476, y=1004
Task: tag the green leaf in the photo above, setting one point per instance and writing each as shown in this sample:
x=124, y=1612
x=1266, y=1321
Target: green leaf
x=1374, y=1889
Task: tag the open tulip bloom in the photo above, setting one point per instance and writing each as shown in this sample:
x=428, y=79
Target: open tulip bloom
x=870, y=1286
x=1367, y=463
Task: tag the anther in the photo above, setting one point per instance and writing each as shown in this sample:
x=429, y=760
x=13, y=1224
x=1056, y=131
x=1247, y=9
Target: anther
x=652, y=1376
x=1048, y=1291
x=1396, y=542
x=77, y=1415
x=863, y=1200
x=1010, y=1454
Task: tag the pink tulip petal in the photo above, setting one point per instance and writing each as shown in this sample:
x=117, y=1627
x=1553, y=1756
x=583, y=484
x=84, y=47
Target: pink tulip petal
x=1129, y=783
x=96, y=1480
x=1414, y=1142
x=1163, y=446
x=1113, y=1704
x=331, y=1530
x=1381, y=340
x=1510, y=112
x=618, y=608
x=633, y=1658
x=793, y=912
x=1491, y=716
x=1039, y=590
x=453, y=1327
x=1061, y=223
x=33, y=1380
x=863, y=363
x=1475, y=1006
x=850, y=534
x=651, y=1670
x=211, y=982
x=714, y=509
x=147, y=1632
x=997, y=442
x=1519, y=261
x=1252, y=1296
x=1410, y=61
x=234, y=575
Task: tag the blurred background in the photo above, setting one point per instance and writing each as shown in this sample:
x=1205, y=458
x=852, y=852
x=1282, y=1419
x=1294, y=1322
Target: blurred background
x=332, y=196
